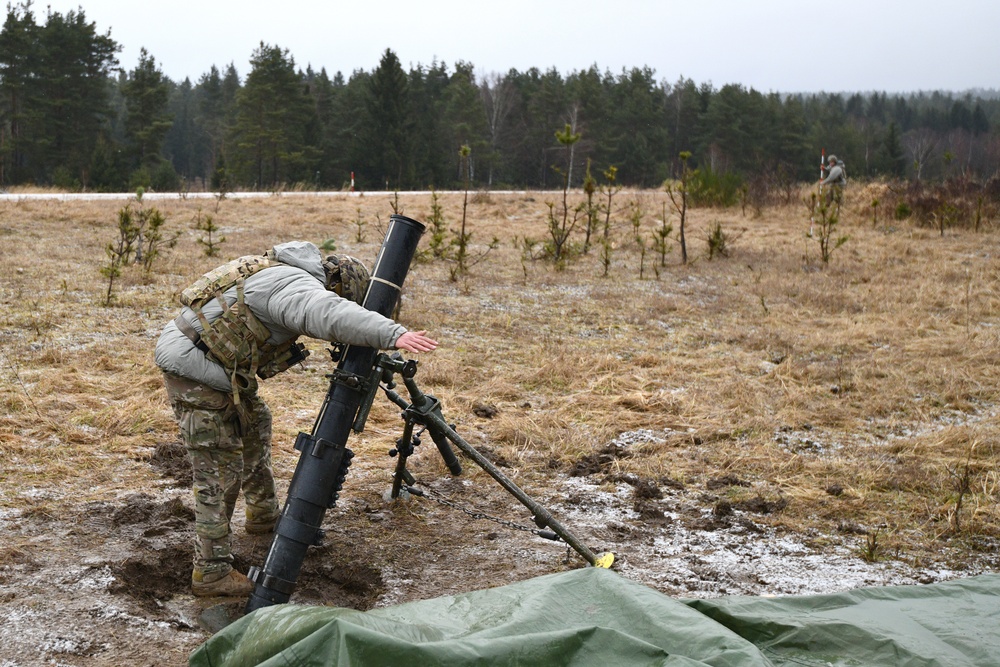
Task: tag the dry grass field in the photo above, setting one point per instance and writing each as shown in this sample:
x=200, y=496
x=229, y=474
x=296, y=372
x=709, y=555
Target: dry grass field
x=761, y=423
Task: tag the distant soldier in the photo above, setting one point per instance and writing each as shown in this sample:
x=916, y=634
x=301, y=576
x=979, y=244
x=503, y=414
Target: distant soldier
x=835, y=181
x=241, y=322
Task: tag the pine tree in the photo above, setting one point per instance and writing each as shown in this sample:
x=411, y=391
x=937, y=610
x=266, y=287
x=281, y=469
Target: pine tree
x=347, y=132
x=641, y=138
x=892, y=157
x=432, y=144
x=465, y=119
x=211, y=114
x=273, y=110
x=389, y=134
x=186, y=145
x=55, y=88
x=74, y=71
x=147, y=119
x=19, y=47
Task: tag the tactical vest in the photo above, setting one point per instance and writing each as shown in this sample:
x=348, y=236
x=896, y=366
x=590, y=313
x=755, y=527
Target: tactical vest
x=236, y=339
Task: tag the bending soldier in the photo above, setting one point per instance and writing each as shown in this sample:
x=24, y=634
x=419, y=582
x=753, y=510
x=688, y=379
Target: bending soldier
x=240, y=322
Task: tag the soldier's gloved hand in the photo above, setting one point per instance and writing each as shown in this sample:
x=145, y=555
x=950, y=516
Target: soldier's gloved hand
x=415, y=341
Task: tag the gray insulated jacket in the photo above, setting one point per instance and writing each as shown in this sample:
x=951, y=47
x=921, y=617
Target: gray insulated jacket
x=290, y=300
x=837, y=175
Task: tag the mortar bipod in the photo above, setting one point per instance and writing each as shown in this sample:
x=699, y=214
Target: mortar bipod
x=425, y=410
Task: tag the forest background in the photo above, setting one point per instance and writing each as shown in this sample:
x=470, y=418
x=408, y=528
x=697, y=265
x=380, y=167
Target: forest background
x=72, y=117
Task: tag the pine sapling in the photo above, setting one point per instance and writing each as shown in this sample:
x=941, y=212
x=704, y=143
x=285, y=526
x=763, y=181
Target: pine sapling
x=718, y=242
x=220, y=181
x=641, y=242
x=591, y=208
x=459, y=246
x=636, y=215
x=155, y=240
x=208, y=242
x=560, y=224
x=359, y=226
x=824, y=229
x=140, y=223
x=438, y=227
x=111, y=270
x=609, y=190
x=529, y=253
x=560, y=227
x=606, y=247
x=678, y=194
x=661, y=236
x=119, y=251
x=461, y=241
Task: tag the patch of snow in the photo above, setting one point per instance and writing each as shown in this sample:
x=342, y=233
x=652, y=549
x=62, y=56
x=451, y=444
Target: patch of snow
x=110, y=612
x=9, y=513
x=489, y=304
x=642, y=435
x=96, y=579
x=731, y=558
x=37, y=493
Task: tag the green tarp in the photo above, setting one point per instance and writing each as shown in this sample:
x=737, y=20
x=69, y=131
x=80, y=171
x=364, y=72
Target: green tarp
x=597, y=617
x=956, y=623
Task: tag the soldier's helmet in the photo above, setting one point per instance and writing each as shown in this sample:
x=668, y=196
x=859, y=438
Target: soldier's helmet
x=347, y=276
x=832, y=159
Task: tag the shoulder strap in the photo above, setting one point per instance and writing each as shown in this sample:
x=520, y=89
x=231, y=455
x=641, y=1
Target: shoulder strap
x=219, y=280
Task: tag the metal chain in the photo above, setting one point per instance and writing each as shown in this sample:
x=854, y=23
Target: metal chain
x=439, y=498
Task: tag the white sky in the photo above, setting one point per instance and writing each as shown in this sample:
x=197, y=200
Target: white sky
x=770, y=45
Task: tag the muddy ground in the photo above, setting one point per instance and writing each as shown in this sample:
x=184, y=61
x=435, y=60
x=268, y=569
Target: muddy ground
x=108, y=583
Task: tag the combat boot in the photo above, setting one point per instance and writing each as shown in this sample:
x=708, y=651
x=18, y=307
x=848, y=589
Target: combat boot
x=233, y=584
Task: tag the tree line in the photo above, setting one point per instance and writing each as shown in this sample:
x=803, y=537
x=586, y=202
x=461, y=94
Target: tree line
x=72, y=117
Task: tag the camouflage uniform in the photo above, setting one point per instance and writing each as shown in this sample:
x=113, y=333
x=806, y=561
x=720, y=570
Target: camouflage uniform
x=835, y=181
x=225, y=457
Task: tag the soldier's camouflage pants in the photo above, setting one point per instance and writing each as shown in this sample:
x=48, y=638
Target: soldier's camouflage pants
x=225, y=456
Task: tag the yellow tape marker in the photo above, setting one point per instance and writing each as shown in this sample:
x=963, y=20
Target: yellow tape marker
x=605, y=560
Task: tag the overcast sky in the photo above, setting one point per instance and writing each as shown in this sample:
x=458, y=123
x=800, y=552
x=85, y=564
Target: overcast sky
x=770, y=45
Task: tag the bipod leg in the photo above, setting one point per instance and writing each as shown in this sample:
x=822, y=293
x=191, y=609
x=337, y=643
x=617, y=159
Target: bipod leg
x=404, y=447
x=426, y=411
x=542, y=517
